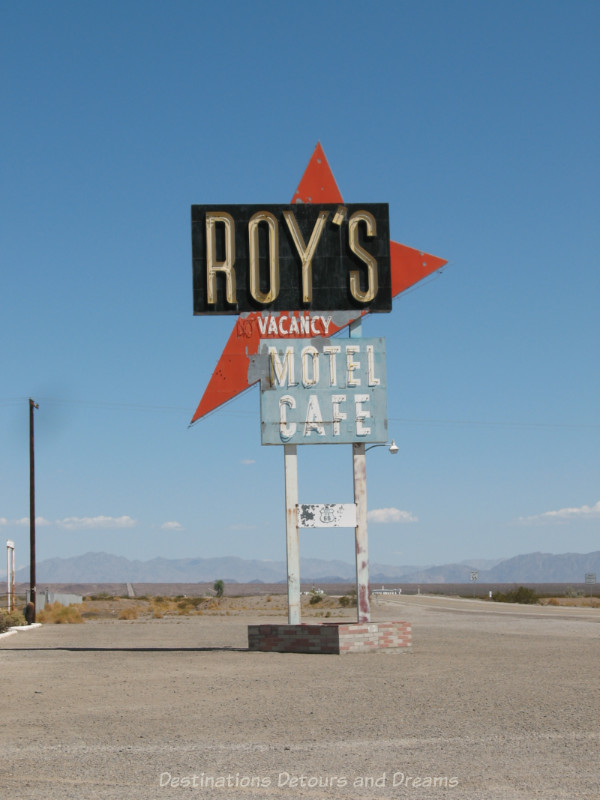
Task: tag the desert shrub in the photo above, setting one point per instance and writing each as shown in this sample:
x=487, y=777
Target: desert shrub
x=521, y=595
x=315, y=598
x=101, y=596
x=189, y=603
x=162, y=606
x=571, y=592
x=91, y=613
x=219, y=587
x=10, y=619
x=348, y=600
x=131, y=612
x=57, y=614
x=553, y=601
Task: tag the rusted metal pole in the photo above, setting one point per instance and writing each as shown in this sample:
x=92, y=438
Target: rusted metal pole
x=291, y=528
x=359, y=468
x=32, y=584
x=359, y=460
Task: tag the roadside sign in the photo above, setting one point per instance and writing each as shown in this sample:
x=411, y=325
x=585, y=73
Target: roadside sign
x=590, y=577
x=332, y=257
x=230, y=377
x=295, y=276
x=327, y=515
x=322, y=391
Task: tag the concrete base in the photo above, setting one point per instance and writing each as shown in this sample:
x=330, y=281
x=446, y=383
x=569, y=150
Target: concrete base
x=331, y=637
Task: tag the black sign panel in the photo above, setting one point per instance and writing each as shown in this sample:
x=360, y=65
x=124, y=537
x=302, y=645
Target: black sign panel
x=326, y=257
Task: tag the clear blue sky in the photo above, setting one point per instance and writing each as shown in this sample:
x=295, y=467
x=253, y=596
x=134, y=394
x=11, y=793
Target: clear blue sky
x=477, y=122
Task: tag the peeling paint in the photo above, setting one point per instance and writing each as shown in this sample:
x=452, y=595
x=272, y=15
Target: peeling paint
x=327, y=515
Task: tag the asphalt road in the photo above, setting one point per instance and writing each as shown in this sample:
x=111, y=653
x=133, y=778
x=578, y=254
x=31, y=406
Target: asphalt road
x=493, y=703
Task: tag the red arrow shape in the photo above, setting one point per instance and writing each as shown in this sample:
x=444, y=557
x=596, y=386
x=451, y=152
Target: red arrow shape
x=230, y=378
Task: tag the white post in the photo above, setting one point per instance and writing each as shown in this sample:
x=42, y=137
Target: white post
x=291, y=527
x=10, y=575
x=359, y=468
x=359, y=463
x=13, y=603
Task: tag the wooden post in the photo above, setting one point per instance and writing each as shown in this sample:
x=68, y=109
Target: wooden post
x=32, y=582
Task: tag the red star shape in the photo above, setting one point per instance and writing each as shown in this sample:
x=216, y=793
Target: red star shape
x=230, y=378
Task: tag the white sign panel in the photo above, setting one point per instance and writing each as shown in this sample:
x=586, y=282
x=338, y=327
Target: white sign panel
x=322, y=391
x=327, y=515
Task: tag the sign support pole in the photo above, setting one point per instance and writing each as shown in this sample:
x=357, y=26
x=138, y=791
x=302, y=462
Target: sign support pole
x=359, y=460
x=359, y=471
x=291, y=527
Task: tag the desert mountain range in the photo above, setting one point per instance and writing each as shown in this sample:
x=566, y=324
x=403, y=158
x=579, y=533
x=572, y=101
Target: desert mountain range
x=104, y=568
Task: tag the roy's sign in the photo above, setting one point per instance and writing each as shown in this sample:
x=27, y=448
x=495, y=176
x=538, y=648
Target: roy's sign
x=258, y=320
x=322, y=391
x=298, y=257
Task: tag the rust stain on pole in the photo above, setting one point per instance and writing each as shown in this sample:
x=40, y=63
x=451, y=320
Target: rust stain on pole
x=362, y=541
x=292, y=537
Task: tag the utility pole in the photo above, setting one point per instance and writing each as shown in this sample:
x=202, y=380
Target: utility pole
x=32, y=587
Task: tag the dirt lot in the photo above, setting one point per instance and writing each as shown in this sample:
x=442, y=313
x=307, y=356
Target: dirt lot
x=493, y=703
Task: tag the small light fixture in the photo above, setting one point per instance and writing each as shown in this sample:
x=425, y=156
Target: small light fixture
x=393, y=448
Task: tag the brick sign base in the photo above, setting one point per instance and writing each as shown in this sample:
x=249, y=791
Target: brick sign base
x=331, y=637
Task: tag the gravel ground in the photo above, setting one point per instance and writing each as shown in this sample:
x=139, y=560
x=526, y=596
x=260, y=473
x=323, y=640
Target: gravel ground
x=493, y=703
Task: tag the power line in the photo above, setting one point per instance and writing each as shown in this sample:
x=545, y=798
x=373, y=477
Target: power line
x=227, y=410
x=100, y=404
x=493, y=423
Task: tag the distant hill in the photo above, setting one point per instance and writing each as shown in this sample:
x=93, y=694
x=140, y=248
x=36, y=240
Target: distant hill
x=481, y=563
x=566, y=568
x=529, y=568
x=106, y=568
x=446, y=573
x=103, y=567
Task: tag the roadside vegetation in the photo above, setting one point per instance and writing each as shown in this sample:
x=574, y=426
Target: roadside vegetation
x=526, y=595
x=521, y=595
x=104, y=606
x=348, y=600
x=57, y=614
x=315, y=604
x=10, y=619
